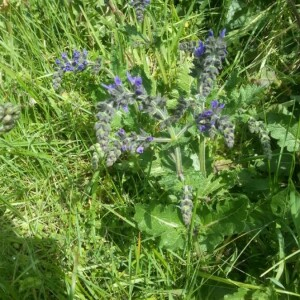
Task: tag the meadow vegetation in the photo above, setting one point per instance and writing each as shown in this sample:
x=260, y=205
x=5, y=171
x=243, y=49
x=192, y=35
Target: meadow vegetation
x=149, y=149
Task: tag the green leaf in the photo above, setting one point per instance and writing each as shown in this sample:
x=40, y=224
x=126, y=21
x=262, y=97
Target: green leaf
x=161, y=221
x=116, y=122
x=295, y=208
x=172, y=240
x=229, y=218
x=247, y=94
x=210, y=185
x=240, y=294
x=196, y=163
x=264, y=295
x=258, y=294
x=156, y=169
x=170, y=182
x=184, y=80
x=253, y=183
x=279, y=203
x=289, y=139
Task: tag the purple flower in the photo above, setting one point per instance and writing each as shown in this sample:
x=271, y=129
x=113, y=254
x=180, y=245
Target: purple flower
x=137, y=83
x=76, y=55
x=64, y=56
x=208, y=118
x=109, y=87
x=140, y=149
x=77, y=63
x=125, y=108
x=121, y=132
x=118, y=81
x=216, y=105
x=149, y=139
x=68, y=67
x=112, y=87
x=199, y=50
x=124, y=148
x=207, y=113
x=222, y=33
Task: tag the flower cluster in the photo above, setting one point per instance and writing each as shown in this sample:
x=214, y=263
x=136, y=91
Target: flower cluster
x=9, y=114
x=77, y=63
x=113, y=144
x=123, y=98
x=211, y=120
x=186, y=205
x=140, y=6
x=120, y=97
x=208, y=58
x=134, y=143
x=260, y=128
x=102, y=127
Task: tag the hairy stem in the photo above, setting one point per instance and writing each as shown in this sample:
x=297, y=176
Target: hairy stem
x=202, y=155
x=201, y=139
x=174, y=137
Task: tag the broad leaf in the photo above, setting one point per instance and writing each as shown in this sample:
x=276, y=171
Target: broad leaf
x=295, y=208
x=161, y=221
x=279, y=204
x=289, y=139
x=229, y=218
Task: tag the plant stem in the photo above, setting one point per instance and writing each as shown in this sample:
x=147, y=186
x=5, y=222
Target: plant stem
x=174, y=137
x=202, y=155
x=201, y=139
x=178, y=162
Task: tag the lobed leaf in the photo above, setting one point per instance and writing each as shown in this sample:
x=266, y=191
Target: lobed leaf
x=161, y=221
x=285, y=137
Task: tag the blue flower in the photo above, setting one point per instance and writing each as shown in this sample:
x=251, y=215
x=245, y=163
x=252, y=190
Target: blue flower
x=199, y=50
x=112, y=87
x=222, y=33
x=76, y=55
x=64, y=56
x=208, y=60
x=77, y=63
x=124, y=148
x=216, y=106
x=137, y=83
x=208, y=118
x=140, y=149
x=121, y=132
x=211, y=119
x=149, y=139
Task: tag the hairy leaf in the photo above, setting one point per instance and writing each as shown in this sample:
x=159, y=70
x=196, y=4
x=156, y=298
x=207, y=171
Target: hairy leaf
x=279, y=203
x=161, y=221
x=229, y=218
x=289, y=139
x=295, y=208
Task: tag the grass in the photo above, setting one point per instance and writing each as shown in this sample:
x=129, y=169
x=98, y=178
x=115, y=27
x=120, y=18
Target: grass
x=68, y=232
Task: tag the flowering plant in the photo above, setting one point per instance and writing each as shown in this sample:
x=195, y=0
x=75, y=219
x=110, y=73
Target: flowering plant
x=137, y=129
x=173, y=130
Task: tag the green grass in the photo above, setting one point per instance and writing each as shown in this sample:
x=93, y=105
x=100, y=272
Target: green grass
x=67, y=232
